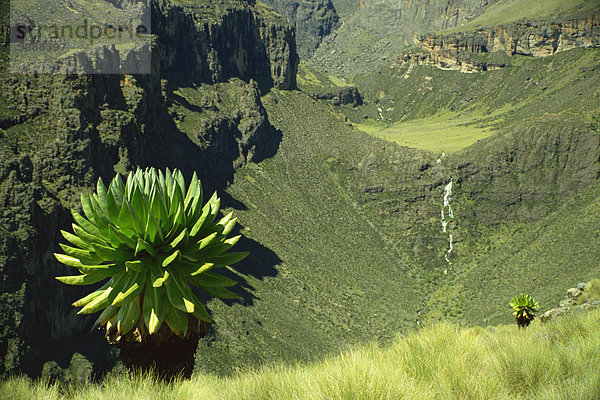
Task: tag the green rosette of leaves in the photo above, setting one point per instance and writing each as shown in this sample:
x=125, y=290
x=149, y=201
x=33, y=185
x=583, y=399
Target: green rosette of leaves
x=152, y=240
x=524, y=307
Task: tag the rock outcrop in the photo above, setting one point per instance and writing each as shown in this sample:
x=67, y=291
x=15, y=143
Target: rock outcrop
x=313, y=21
x=458, y=60
x=534, y=38
x=348, y=95
x=199, y=110
x=572, y=303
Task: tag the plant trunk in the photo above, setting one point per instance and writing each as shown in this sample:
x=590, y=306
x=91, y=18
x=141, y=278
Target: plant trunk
x=165, y=354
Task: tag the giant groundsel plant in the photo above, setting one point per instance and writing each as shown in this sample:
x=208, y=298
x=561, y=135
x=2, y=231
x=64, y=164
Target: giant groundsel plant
x=524, y=307
x=152, y=240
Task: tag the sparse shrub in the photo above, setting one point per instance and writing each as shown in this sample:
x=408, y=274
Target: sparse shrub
x=595, y=126
x=525, y=307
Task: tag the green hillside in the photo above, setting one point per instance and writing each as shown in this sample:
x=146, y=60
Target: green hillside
x=542, y=259
x=556, y=360
x=321, y=275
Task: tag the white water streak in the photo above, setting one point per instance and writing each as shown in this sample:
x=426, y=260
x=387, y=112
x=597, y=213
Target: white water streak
x=447, y=215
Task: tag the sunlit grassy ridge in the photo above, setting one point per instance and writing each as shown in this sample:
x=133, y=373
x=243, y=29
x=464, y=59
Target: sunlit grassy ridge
x=509, y=11
x=556, y=360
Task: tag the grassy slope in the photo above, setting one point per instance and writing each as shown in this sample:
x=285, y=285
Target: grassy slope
x=556, y=360
x=321, y=274
x=541, y=259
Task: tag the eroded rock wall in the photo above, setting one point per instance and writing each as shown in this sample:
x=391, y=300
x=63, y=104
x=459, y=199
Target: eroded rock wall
x=535, y=38
x=59, y=133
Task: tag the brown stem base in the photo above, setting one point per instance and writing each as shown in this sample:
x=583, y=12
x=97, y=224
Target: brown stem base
x=165, y=354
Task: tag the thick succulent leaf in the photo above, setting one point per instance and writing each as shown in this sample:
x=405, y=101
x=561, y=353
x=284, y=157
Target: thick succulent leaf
x=212, y=280
x=90, y=297
x=100, y=215
x=132, y=288
x=228, y=258
x=179, y=221
x=85, y=256
x=128, y=316
x=169, y=185
x=99, y=303
x=182, y=238
x=193, y=192
x=123, y=237
x=85, y=224
x=177, y=321
x=87, y=207
x=168, y=260
x=76, y=263
x=108, y=313
x=112, y=207
x=125, y=223
x=180, y=180
x=87, y=237
x=193, y=251
x=143, y=245
x=129, y=186
x=154, y=231
x=101, y=194
x=141, y=265
x=117, y=190
x=177, y=298
x=140, y=206
x=115, y=284
x=157, y=204
x=214, y=211
x=121, y=253
x=76, y=240
x=156, y=275
x=154, y=308
x=216, y=249
x=225, y=220
x=200, y=311
x=229, y=227
x=203, y=269
x=136, y=222
x=80, y=279
x=219, y=292
x=162, y=184
x=197, y=227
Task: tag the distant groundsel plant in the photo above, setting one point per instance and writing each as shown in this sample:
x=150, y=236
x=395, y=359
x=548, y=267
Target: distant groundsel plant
x=525, y=308
x=152, y=240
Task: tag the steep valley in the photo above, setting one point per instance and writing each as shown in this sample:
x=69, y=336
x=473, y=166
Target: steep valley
x=343, y=227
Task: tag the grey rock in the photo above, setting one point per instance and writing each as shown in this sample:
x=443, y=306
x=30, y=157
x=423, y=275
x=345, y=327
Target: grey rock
x=313, y=20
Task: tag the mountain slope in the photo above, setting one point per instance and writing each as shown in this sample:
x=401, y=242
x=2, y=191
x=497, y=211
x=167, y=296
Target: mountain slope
x=327, y=278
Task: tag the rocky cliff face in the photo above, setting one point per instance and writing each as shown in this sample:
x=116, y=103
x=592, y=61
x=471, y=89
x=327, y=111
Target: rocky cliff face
x=218, y=40
x=199, y=110
x=535, y=39
x=381, y=28
x=313, y=21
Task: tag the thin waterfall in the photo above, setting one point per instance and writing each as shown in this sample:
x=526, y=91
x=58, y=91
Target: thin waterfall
x=447, y=216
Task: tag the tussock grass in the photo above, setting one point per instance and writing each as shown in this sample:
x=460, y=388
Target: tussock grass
x=591, y=293
x=443, y=361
